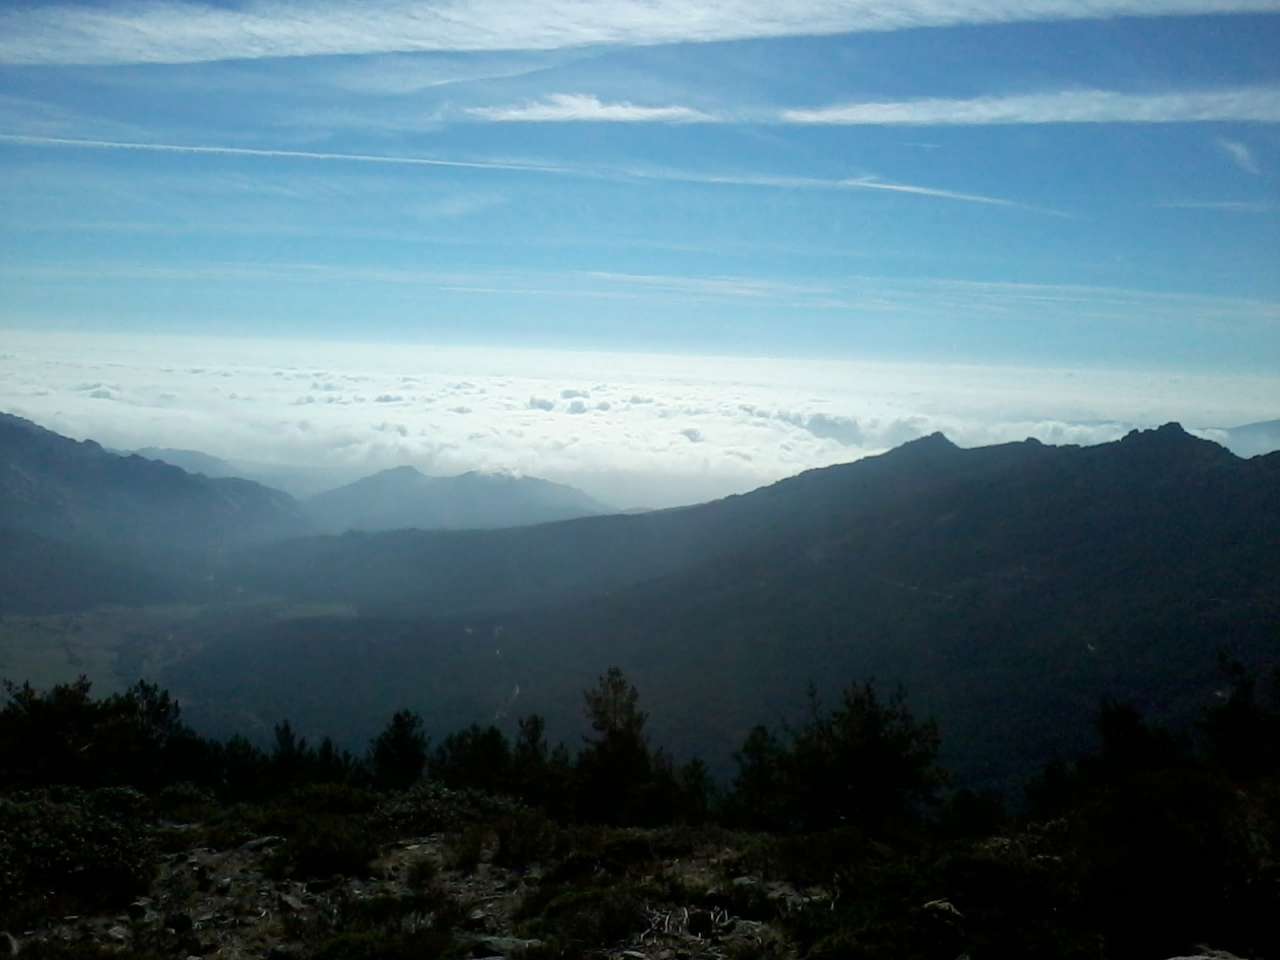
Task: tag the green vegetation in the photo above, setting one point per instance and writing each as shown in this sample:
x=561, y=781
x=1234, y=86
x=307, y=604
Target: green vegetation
x=839, y=837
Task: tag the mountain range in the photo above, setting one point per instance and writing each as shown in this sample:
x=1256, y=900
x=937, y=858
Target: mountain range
x=1009, y=588
x=404, y=498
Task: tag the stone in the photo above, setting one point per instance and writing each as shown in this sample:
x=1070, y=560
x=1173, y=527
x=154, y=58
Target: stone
x=943, y=908
x=324, y=885
x=179, y=922
x=291, y=903
x=138, y=909
x=117, y=933
x=506, y=946
x=261, y=843
x=9, y=946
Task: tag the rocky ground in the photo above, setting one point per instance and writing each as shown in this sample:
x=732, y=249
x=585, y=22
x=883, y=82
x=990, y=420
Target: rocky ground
x=342, y=874
x=606, y=893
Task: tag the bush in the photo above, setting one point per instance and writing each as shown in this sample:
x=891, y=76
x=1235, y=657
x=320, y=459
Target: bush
x=372, y=945
x=71, y=850
x=594, y=917
x=325, y=846
x=463, y=851
x=422, y=873
x=524, y=837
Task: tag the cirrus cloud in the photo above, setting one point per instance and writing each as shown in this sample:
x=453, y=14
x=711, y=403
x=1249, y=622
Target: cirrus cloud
x=1241, y=104
x=585, y=108
x=184, y=31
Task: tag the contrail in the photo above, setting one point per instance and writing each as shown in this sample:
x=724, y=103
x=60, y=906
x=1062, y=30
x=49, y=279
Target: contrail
x=667, y=176
x=286, y=154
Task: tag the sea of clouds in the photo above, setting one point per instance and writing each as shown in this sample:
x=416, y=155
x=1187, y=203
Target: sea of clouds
x=631, y=429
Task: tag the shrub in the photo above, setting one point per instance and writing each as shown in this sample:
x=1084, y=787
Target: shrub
x=422, y=873
x=463, y=851
x=524, y=837
x=71, y=850
x=324, y=846
x=374, y=945
x=594, y=917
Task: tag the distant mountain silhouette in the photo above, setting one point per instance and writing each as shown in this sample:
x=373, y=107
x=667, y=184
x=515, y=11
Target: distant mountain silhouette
x=192, y=461
x=1252, y=439
x=404, y=498
x=1010, y=587
x=66, y=490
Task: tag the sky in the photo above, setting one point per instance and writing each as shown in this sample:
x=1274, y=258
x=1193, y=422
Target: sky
x=925, y=212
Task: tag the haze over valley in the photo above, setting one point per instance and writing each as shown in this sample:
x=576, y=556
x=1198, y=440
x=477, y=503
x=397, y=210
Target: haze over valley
x=638, y=480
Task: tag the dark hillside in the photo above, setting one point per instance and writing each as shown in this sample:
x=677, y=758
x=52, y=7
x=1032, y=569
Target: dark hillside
x=1009, y=587
x=57, y=487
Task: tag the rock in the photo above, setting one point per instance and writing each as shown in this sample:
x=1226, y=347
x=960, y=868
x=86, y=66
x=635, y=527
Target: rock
x=323, y=886
x=477, y=919
x=179, y=922
x=117, y=933
x=943, y=909
x=138, y=909
x=261, y=843
x=9, y=946
x=506, y=946
x=291, y=903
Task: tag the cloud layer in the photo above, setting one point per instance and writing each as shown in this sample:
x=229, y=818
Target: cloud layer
x=632, y=429
x=584, y=108
x=1247, y=104
x=166, y=31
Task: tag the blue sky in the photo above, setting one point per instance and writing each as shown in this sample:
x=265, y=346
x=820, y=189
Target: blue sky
x=981, y=181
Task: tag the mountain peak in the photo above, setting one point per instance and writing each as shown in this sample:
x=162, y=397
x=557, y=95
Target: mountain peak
x=403, y=471
x=1166, y=432
x=1167, y=436
x=936, y=440
x=1171, y=441
x=923, y=449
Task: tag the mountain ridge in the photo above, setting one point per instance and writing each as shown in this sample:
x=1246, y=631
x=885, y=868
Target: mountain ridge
x=1007, y=587
x=405, y=498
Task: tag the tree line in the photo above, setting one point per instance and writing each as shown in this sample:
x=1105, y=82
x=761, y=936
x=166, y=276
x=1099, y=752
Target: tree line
x=867, y=761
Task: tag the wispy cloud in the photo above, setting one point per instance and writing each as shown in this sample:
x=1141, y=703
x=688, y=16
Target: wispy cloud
x=174, y=31
x=1225, y=206
x=281, y=154
x=578, y=107
x=608, y=173
x=1045, y=304
x=743, y=287
x=1241, y=104
x=1240, y=155
x=397, y=75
